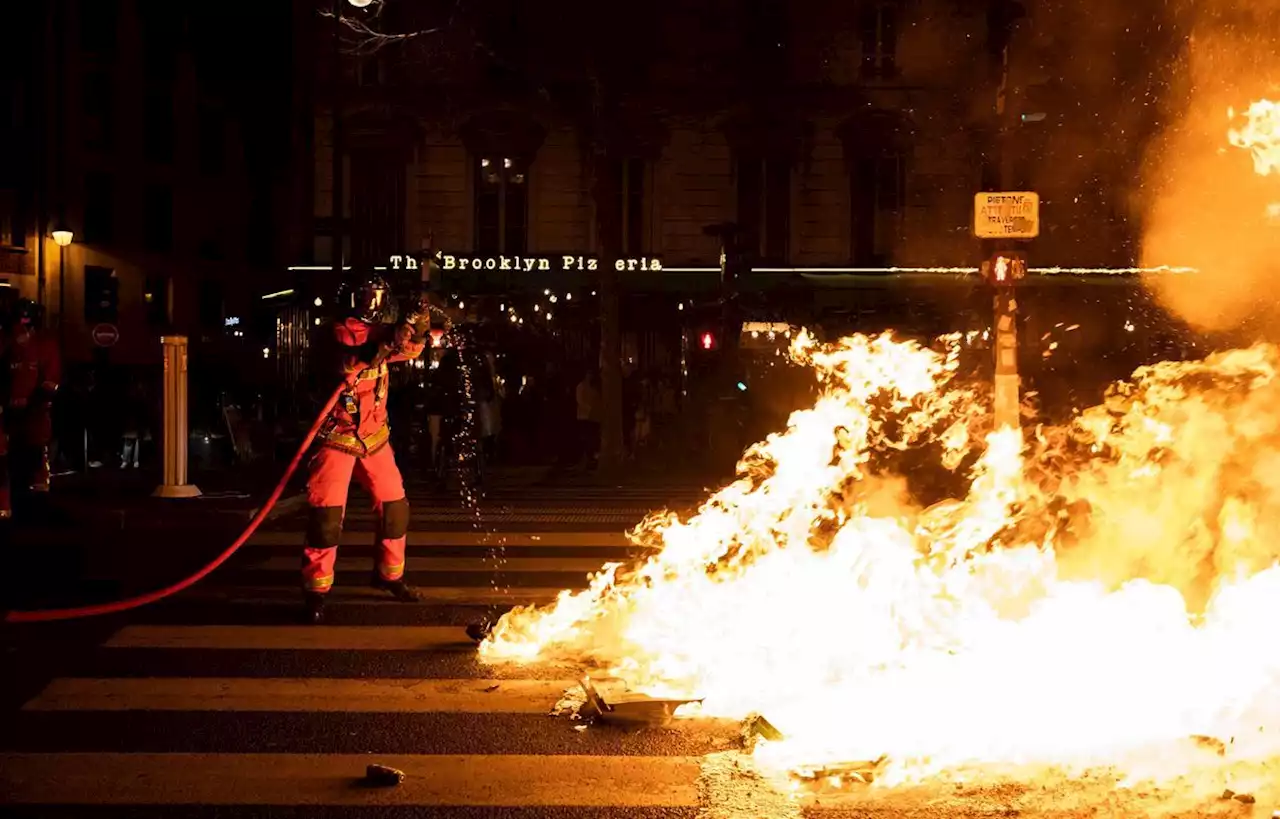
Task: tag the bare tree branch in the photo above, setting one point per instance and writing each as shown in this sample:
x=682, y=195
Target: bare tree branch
x=365, y=37
x=369, y=40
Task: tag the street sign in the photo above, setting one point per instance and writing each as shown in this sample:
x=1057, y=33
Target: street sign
x=105, y=335
x=1013, y=215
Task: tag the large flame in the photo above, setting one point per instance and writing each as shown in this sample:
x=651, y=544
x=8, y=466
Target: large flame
x=1104, y=589
x=1260, y=135
x=1104, y=594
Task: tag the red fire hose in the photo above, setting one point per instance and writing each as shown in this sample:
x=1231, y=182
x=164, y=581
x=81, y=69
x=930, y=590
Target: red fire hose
x=100, y=609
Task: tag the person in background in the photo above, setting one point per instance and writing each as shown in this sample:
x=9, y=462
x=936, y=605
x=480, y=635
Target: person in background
x=587, y=398
x=133, y=423
x=491, y=407
x=34, y=369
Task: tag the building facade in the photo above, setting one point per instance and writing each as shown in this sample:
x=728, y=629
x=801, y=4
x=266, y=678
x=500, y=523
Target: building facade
x=834, y=135
x=166, y=161
x=847, y=135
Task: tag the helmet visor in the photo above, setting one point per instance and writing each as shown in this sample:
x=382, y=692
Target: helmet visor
x=370, y=301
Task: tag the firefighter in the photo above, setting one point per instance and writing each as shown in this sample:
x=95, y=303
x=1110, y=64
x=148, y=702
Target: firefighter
x=33, y=370
x=356, y=440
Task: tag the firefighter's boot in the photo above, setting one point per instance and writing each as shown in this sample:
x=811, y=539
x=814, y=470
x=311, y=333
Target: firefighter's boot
x=396, y=588
x=313, y=608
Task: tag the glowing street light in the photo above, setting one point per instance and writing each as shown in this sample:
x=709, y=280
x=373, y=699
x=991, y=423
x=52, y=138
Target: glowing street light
x=62, y=237
x=360, y=4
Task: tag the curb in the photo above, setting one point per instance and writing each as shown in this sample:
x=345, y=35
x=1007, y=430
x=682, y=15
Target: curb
x=128, y=518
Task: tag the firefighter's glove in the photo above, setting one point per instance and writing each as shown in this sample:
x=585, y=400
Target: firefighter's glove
x=419, y=316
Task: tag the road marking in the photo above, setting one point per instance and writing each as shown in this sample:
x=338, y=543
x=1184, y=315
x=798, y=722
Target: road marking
x=331, y=779
x=270, y=638
x=431, y=595
x=611, y=539
x=479, y=563
x=455, y=696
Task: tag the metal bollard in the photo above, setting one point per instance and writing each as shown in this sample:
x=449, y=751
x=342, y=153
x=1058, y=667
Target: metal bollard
x=175, y=421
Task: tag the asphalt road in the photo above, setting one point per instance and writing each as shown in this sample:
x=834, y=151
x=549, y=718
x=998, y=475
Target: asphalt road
x=218, y=704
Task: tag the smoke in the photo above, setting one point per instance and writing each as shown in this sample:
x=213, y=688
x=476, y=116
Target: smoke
x=1204, y=206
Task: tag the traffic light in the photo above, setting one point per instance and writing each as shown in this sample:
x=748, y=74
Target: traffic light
x=707, y=340
x=1004, y=268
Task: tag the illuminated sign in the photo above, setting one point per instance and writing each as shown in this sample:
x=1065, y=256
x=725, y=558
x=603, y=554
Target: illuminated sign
x=528, y=264
x=231, y=321
x=765, y=327
x=1006, y=215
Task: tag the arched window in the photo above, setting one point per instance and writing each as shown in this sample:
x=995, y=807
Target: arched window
x=766, y=145
x=877, y=151
x=502, y=206
x=764, y=208
x=878, y=26
x=502, y=145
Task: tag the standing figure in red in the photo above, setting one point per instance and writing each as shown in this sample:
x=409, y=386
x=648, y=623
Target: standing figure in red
x=33, y=369
x=356, y=440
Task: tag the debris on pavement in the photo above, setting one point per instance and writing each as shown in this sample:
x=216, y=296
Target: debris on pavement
x=837, y=775
x=383, y=776
x=629, y=707
x=757, y=726
x=1243, y=798
x=732, y=786
x=492, y=688
x=479, y=630
x=571, y=703
x=1210, y=744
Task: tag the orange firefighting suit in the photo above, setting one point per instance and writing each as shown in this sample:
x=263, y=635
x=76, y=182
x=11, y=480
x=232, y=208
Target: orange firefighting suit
x=33, y=371
x=356, y=440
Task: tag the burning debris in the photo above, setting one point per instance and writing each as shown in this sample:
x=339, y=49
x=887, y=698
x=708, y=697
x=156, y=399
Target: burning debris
x=1101, y=592
x=1042, y=617
x=630, y=708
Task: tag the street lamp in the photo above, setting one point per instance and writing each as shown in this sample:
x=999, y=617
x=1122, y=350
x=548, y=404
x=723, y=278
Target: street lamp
x=62, y=237
x=360, y=4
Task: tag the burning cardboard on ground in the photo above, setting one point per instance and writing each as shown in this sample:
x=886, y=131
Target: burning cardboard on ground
x=842, y=774
x=1243, y=798
x=1210, y=744
x=757, y=726
x=629, y=708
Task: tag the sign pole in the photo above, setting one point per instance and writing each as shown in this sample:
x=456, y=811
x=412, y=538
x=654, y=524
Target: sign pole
x=175, y=421
x=1009, y=219
x=1007, y=382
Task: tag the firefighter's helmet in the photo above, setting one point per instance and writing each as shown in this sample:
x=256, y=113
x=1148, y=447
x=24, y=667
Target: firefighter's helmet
x=368, y=299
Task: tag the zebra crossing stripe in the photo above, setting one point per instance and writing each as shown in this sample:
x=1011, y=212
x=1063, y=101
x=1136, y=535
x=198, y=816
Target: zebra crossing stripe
x=455, y=696
x=611, y=539
x=479, y=563
x=431, y=595
x=330, y=779
x=287, y=638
